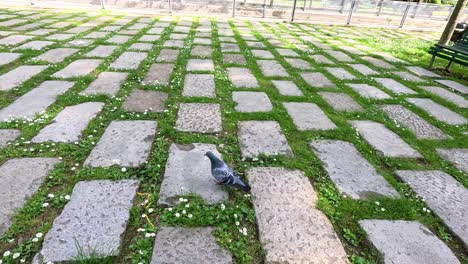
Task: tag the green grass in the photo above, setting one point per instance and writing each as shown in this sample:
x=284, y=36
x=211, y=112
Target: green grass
x=344, y=213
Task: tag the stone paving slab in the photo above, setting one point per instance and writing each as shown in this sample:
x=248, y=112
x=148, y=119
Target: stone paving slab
x=188, y=245
x=438, y=111
x=291, y=228
x=199, y=85
x=454, y=85
x=422, y=72
x=173, y=44
x=35, y=45
x=95, y=218
x=444, y=195
x=407, y=242
x=340, y=73
x=21, y=178
x=96, y=35
x=321, y=59
x=102, y=51
x=249, y=102
x=149, y=38
x=78, y=68
x=263, y=54
x=339, y=56
x=35, y=101
x=317, y=79
x=68, y=125
x=129, y=60
x=308, y=116
x=272, y=68
x=262, y=137
x=385, y=142
x=169, y=55
x=394, y=86
x=229, y=47
x=287, y=53
x=378, y=62
x=368, y=91
x=60, y=37
x=408, y=76
x=363, y=69
x=187, y=172
x=7, y=135
x=56, y=55
x=199, y=117
x=234, y=58
x=341, y=102
x=141, y=101
x=124, y=143
x=420, y=127
x=298, y=63
x=201, y=51
x=141, y=46
x=200, y=65
x=19, y=75
x=448, y=96
x=352, y=174
x=159, y=73
x=14, y=40
x=288, y=88
x=118, y=39
x=457, y=156
x=80, y=43
x=242, y=78
x=107, y=83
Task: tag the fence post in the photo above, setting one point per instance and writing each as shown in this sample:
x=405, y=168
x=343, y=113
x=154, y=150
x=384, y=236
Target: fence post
x=403, y=19
x=416, y=8
x=450, y=13
x=380, y=4
x=102, y=4
x=170, y=6
x=264, y=8
x=234, y=3
x=351, y=10
x=342, y=6
x=293, y=11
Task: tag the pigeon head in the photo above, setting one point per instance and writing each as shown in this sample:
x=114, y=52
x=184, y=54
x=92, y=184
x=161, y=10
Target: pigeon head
x=215, y=161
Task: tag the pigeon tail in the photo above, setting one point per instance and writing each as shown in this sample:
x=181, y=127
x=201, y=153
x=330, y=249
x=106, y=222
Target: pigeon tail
x=237, y=183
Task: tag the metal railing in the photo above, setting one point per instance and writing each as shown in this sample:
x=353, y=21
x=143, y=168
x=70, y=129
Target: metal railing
x=393, y=13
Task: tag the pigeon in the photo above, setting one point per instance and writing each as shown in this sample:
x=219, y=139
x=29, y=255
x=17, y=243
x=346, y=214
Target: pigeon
x=224, y=175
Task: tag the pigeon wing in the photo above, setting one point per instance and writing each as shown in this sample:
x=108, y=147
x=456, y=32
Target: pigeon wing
x=221, y=174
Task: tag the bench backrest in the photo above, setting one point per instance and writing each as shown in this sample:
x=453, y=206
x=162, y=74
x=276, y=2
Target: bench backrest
x=463, y=42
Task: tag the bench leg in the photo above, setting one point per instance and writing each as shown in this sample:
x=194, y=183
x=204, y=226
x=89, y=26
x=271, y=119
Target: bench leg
x=448, y=66
x=432, y=61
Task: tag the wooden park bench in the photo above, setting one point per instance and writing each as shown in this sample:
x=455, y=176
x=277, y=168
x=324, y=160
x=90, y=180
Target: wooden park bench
x=457, y=53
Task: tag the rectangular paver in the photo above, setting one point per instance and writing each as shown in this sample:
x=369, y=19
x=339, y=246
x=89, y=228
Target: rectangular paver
x=107, y=83
x=129, y=60
x=352, y=174
x=249, y=102
x=384, y=140
x=317, y=79
x=35, y=101
x=124, y=143
x=187, y=172
x=457, y=156
x=262, y=137
x=56, y=55
x=199, y=85
x=199, y=117
x=368, y=91
x=438, y=111
x=21, y=178
x=454, y=98
x=78, y=68
x=19, y=75
x=308, y=116
x=291, y=228
x=272, y=68
x=394, y=86
x=444, y=195
x=95, y=219
x=242, y=78
x=341, y=101
x=159, y=73
x=68, y=125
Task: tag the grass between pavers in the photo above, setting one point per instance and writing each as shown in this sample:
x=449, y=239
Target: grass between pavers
x=343, y=212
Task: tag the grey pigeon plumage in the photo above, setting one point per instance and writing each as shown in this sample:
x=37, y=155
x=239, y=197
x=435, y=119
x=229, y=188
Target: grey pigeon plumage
x=224, y=175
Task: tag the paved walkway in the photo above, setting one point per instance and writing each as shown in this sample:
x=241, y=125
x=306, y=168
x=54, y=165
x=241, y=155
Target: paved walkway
x=104, y=118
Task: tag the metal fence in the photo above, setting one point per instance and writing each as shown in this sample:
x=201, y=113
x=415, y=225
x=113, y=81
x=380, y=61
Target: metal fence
x=369, y=12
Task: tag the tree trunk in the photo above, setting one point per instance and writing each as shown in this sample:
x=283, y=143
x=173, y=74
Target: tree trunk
x=271, y=3
x=450, y=27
